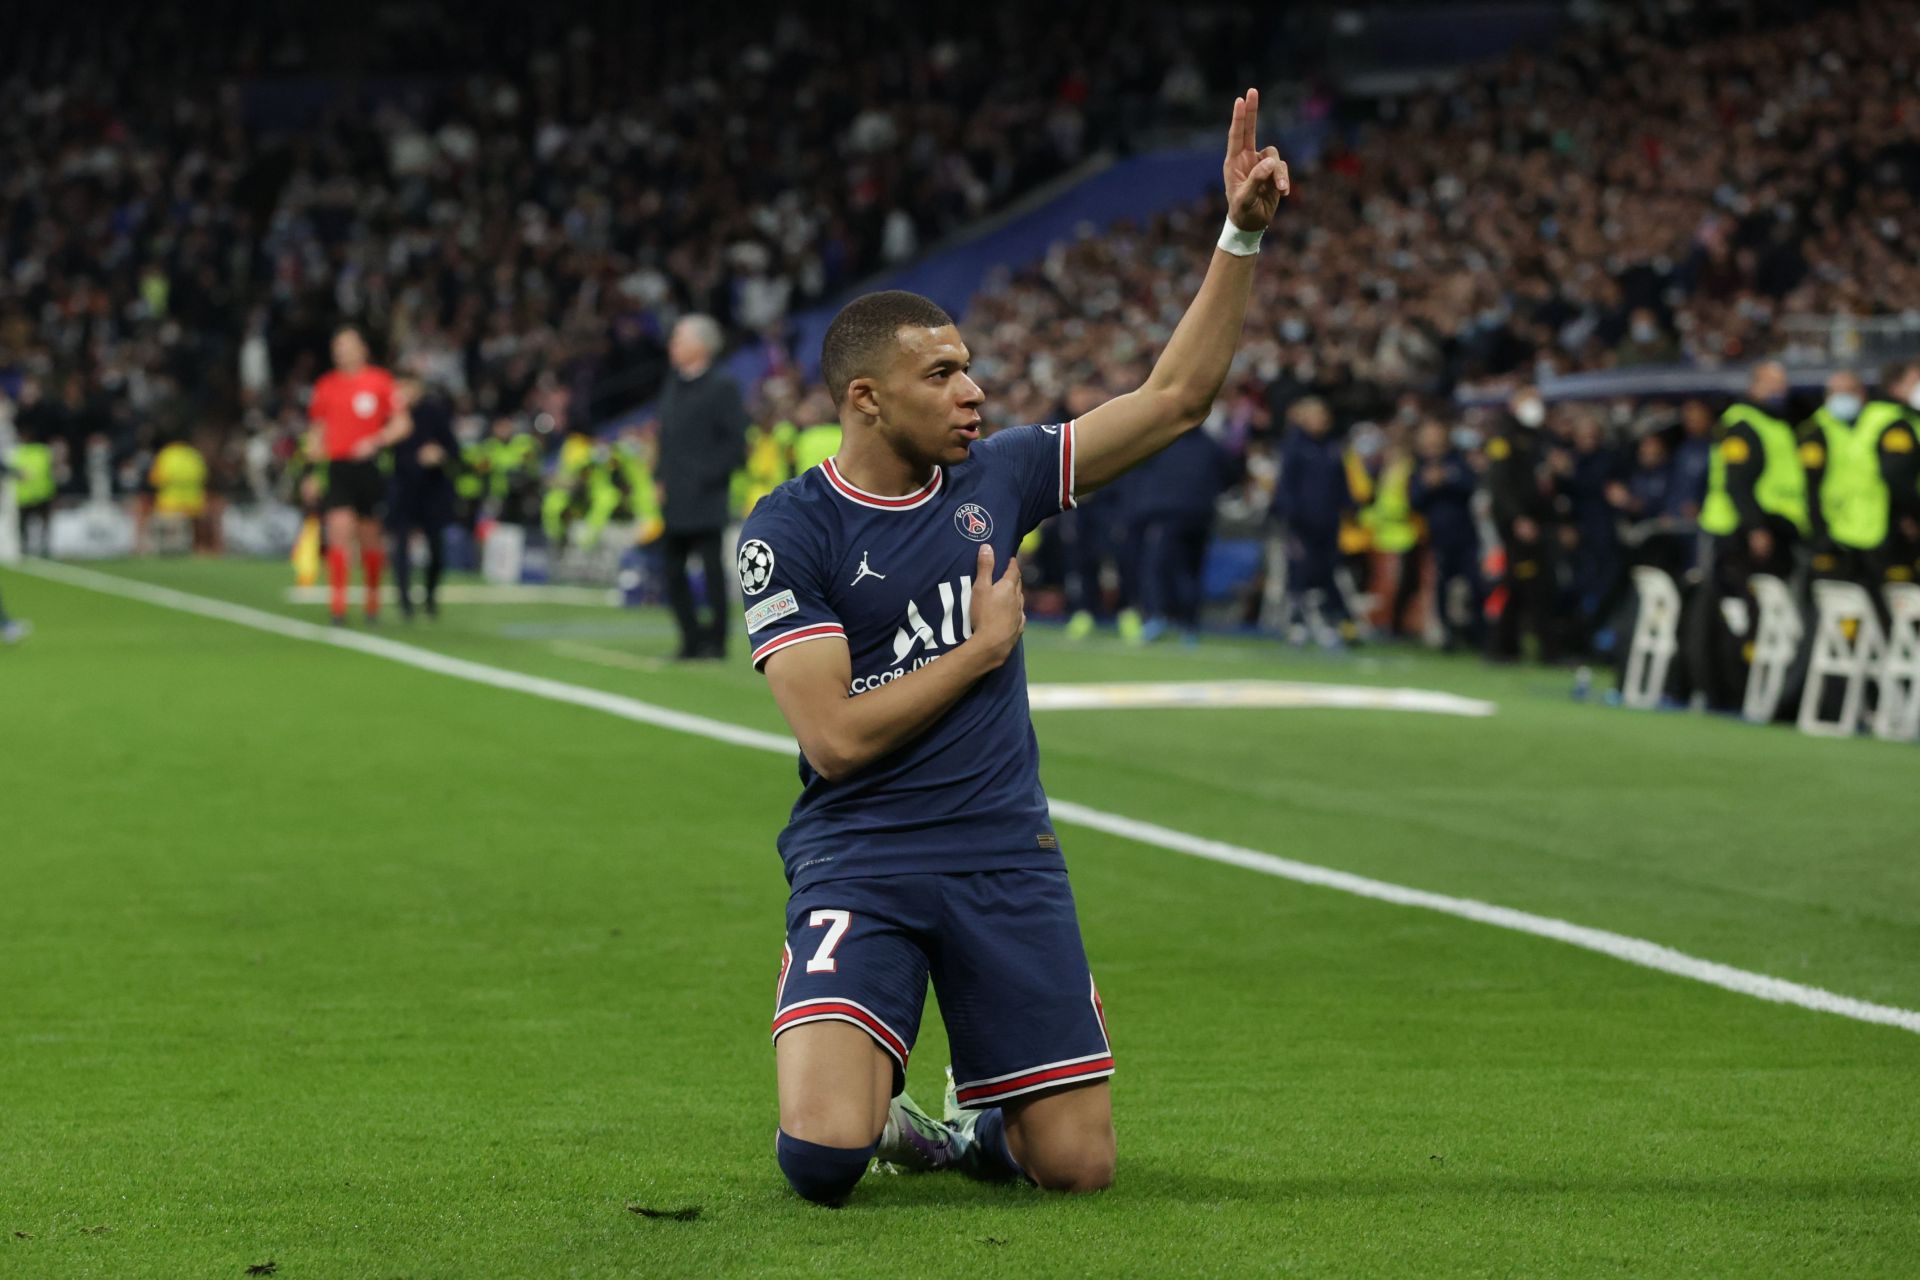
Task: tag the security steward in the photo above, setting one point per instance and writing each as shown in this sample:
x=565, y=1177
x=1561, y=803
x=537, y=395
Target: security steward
x=1522, y=507
x=1756, y=514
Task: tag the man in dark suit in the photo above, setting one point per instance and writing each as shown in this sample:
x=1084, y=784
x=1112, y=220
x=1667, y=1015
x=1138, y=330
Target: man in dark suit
x=420, y=491
x=703, y=441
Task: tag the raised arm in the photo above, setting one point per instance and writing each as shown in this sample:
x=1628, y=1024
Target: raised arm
x=1179, y=392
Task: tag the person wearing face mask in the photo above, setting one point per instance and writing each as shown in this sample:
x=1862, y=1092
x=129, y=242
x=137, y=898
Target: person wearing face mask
x=1893, y=421
x=1522, y=501
x=1847, y=507
x=1646, y=342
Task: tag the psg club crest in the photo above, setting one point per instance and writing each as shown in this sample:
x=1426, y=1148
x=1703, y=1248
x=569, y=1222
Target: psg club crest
x=973, y=522
x=756, y=566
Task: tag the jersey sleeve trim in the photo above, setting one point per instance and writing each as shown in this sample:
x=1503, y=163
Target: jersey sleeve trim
x=1066, y=466
x=818, y=631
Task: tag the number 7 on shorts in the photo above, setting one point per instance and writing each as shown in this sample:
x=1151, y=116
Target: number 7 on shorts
x=835, y=923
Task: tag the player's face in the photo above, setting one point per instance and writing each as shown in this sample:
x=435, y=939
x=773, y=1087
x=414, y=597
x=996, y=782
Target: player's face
x=349, y=350
x=929, y=406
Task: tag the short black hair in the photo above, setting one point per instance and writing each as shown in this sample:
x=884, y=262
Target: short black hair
x=865, y=331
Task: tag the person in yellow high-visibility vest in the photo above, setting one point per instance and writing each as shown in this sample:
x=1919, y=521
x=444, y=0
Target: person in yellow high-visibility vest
x=814, y=445
x=568, y=493
x=1846, y=452
x=1756, y=513
x=1894, y=420
x=12, y=630
x=1393, y=527
x=769, y=463
x=1756, y=506
x=35, y=482
x=179, y=480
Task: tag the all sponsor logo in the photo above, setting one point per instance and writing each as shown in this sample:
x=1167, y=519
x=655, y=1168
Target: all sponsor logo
x=917, y=633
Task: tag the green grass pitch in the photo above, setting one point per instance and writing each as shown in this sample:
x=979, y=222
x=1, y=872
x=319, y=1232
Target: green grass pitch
x=311, y=958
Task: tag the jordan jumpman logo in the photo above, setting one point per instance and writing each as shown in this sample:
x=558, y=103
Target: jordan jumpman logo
x=865, y=572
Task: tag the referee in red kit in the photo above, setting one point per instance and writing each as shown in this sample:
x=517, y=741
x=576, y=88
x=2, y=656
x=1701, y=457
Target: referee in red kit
x=354, y=416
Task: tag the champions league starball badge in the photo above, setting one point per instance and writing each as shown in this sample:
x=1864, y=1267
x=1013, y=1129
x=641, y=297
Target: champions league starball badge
x=756, y=566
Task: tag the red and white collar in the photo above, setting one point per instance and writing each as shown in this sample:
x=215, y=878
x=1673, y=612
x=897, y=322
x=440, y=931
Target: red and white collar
x=853, y=493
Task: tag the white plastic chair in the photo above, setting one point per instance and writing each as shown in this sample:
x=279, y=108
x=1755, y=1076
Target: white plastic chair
x=1656, y=638
x=1898, y=715
x=1854, y=661
x=1776, y=642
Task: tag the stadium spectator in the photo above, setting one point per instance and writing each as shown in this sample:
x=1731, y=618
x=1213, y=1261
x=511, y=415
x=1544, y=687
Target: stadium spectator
x=1441, y=491
x=1692, y=460
x=36, y=479
x=703, y=430
x=179, y=480
x=420, y=491
x=1394, y=529
x=1894, y=416
x=1173, y=506
x=1590, y=481
x=1311, y=497
x=1660, y=531
x=1521, y=492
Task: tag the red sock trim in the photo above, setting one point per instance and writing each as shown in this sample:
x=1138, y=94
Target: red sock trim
x=371, y=563
x=337, y=581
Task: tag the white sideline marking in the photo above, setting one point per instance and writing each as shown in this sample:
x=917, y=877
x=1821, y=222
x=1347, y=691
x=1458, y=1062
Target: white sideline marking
x=477, y=593
x=1637, y=951
x=410, y=655
x=606, y=657
x=1218, y=694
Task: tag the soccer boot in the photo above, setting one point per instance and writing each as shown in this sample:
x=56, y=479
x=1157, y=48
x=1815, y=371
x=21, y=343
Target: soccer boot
x=970, y=1156
x=15, y=631
x=1080, y=625
x=1131, y=626
x=913, y=1141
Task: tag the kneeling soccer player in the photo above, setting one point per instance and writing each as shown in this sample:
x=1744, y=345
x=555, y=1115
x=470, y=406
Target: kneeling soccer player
x=885, y=607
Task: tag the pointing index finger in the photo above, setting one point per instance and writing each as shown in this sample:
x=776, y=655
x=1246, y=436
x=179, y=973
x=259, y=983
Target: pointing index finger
x=1233, y=130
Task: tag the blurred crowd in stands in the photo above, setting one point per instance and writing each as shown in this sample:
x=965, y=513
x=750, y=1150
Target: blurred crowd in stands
x=192, y=197
x=187, y=210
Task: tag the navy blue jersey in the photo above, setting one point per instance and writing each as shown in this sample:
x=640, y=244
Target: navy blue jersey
x=821, y=559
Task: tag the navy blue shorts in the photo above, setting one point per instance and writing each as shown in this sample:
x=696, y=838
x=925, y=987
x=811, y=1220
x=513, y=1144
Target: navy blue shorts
x=1003, y=950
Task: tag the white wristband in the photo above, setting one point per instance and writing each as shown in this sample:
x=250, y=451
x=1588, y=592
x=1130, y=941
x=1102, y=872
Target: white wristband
x=1241, y=244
